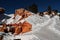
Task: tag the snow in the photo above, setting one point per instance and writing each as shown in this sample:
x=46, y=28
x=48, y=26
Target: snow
x=10, y=21
x=10, y=15
x=55, y=21
x=22, y=37
x=43, y=28
x=17, y=18
x=21, y=21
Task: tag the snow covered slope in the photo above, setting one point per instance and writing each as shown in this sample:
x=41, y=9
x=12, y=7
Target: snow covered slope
x=43, y=28
x=47, y=29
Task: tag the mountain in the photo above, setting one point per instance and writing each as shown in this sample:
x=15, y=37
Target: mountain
x=43, y=28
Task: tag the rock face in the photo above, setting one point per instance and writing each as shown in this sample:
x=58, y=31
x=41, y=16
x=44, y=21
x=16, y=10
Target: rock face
x=22, y=28
x=20, y=24
x=26, y=27
x=22, y=12
x=2, y=27
x=19, y=17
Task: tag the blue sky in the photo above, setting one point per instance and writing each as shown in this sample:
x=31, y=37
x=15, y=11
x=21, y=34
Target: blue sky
x=11, y=5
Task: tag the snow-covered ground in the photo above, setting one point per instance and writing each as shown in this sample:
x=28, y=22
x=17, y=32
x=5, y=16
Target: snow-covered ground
x=43, y=28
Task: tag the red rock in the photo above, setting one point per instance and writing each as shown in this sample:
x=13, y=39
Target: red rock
x=26, y=27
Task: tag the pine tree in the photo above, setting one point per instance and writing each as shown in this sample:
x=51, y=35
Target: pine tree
x=55, y=11
x=49, y=10
x=33, y=8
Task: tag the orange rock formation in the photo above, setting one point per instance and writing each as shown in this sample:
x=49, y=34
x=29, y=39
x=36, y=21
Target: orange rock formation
x=20, y=27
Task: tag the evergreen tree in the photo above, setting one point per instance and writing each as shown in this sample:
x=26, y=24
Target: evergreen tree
x=41, y=13
x=33, y=8
x=55, y=11
x=49, y=10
